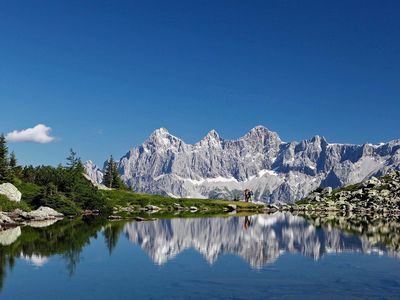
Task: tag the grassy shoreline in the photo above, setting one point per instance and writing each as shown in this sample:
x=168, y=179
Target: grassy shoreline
x=130, y=204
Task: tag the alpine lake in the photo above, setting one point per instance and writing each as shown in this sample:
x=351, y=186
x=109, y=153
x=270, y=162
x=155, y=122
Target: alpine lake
x=263, y=256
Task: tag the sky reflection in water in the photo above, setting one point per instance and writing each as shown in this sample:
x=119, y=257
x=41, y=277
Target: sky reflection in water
x=278, y=255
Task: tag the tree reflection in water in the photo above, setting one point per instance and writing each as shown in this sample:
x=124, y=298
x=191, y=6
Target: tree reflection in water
x=259, y=239
x=66, y=238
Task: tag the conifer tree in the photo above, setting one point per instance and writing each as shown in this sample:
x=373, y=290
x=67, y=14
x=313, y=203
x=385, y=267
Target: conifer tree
x=13, y=160
x=108, y=174
x=73, y=160
x=4, y=163
x=116, y=179
x=111, y=177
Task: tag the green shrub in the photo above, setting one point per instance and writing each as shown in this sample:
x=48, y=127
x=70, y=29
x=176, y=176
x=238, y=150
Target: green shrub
x=60, y=204
x=30, y=191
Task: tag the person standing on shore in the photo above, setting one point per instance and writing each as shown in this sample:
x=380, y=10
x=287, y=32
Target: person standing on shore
x=247, y=195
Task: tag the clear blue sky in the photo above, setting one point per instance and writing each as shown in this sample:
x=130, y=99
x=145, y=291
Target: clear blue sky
x=104, y=74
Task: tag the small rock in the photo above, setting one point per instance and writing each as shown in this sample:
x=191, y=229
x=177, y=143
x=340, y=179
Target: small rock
x=373, y=181
x=17, y=214
x=274, y=206
x=344, y=194
x=152, y=208
x=231, y=207
x=327, y=191
x=177, y=206
x=4, y=219
x=357, y=193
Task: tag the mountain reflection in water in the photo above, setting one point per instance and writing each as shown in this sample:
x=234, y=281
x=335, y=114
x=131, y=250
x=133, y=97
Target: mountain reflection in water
x=258, y=239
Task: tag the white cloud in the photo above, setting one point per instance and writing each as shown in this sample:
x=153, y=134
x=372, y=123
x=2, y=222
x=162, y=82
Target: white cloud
x=38, y=134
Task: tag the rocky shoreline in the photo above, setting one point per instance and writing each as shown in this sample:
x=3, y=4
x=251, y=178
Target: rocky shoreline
x=377, y=195
x=40, y=216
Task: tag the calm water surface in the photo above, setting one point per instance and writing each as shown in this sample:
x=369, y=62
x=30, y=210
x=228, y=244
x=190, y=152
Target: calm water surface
x=260, y=257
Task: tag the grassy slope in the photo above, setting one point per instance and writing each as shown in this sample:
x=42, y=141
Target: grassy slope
x=29, y=190
x=120, y=198
x=7, y=205
x=128, y=198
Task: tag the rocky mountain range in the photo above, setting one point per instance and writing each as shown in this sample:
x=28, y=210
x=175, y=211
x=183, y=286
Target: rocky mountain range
x=276, y=171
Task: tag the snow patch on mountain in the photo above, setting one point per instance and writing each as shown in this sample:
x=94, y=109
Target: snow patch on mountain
x=274, y=170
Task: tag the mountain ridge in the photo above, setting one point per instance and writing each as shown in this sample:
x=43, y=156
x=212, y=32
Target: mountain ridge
x=275, y=170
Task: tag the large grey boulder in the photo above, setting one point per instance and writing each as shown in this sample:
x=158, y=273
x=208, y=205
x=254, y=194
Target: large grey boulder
x=43, y=213
x=10, y=191
x=40, y=214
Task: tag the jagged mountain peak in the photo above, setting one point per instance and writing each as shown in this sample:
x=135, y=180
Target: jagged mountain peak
x=211, y=140
x=260, y=128
x=162, y=137
x=274, y=170
x=262, y=133
x=162, y=131
x=319, y=139
x=212, y=134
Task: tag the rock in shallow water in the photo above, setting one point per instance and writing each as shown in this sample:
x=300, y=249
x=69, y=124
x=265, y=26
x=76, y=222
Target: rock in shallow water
x=40, y=214
x=231, y=207
x=44, y=213
x=4, y=219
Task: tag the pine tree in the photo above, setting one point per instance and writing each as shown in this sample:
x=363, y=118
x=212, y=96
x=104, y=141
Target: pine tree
x=5, y=175
x=108, y=174
x=73, y=160
x=111, y=177
x=117, y=182
x=13, y=160
x=15, y=170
